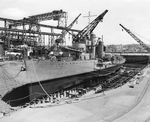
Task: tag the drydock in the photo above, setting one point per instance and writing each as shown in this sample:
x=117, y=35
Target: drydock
x=35, y=63
x=92, y=91
x=38, y=70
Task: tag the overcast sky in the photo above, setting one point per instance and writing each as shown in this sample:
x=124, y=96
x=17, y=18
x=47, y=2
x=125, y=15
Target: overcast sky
x=134, y=14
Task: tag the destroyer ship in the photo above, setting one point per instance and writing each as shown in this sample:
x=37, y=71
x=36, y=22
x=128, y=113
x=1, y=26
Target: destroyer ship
x=42, y=64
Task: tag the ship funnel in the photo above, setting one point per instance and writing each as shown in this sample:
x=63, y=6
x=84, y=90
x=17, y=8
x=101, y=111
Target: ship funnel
x=100, y=50
x=93, y=42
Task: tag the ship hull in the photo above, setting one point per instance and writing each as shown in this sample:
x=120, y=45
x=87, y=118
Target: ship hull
x=44, y=70
x=33, y=89
x=41, y=70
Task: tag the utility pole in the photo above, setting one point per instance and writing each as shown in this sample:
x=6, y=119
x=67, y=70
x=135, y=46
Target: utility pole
x=89, y=16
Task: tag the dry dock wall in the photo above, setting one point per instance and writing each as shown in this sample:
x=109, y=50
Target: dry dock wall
x=137, y=59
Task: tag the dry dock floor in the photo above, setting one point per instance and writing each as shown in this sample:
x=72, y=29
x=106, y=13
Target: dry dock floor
x=122, y=104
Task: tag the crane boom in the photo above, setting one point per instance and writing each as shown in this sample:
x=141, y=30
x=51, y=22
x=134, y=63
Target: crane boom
x=89, y=28
x=64, y=32
x=74, y=21
x=55, y=15
x=136, y=38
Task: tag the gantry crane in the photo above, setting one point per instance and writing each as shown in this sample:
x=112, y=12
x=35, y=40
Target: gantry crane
x=136, y=38
x=30, y=27
x=54, y=15
x=89, y=28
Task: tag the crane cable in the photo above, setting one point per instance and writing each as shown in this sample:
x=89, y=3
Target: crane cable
x=39, y=80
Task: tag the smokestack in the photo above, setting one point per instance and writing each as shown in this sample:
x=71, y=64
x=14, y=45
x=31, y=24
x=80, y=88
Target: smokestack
x=93, y=41
x=100, y=49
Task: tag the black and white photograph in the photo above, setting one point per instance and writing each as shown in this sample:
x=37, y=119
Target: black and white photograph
x=74, y=61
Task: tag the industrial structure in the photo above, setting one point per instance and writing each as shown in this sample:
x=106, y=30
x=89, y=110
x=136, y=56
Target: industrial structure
x=136, y=38
x=140, y=57
x=28, y=30
x=40, y=67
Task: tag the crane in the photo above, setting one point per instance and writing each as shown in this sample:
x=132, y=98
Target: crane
x=89, y=28
x=64, y=32
x=136, y=38
x=54, y=15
